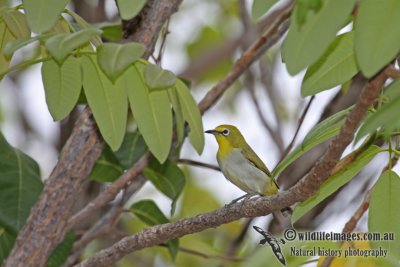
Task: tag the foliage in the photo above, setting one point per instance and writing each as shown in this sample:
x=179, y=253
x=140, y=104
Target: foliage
x=139, y=107
x=20, y=186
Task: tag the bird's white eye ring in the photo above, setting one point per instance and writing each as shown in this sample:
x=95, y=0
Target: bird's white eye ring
x=225, y=132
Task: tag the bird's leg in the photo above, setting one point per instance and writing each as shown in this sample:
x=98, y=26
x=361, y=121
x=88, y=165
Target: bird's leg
x=245, y=197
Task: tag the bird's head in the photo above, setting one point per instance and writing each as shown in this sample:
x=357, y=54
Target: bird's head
x=228, y=135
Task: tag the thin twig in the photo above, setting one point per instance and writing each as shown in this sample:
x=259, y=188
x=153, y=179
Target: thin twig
x=275, y=99
x=269, y=38
x=299, y=124
x=235, y=244
x=164, y=36
x=110, y=192
x=106, y=223
x=198, y=164
x=393, y=72
x=206, y=256
x=277, y=138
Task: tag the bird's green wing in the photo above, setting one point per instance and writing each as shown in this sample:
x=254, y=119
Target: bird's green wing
x=251, y=156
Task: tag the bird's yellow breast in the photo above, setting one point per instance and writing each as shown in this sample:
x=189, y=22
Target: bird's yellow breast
x=224, y=147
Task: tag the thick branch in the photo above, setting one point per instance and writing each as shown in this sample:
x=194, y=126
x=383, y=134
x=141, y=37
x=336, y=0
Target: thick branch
x=46, y=225
x=254, y=207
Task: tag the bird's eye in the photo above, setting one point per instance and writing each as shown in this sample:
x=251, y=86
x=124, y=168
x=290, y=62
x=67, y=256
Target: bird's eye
x=225, y=132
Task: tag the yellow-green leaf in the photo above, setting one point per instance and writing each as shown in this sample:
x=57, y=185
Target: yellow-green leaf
x=326, y=129
x=179, y=119
x=128, y=8
x=6, y=38
x=43, y=14
x=384, y=216
x=108, y=102
x=62, y=86
x=60, y=45
x=16, y=23
x=335, y=182
x=96, y=40
x=336, y=66
x=158, y=78
x=152, y=111
x=377, y=35
x=386, y=116
x=260, y=7
x=307, y=41
x=192, y=115
x=114, y=59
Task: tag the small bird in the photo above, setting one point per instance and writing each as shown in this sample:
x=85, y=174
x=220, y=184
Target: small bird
x=242, y=167
x=240, y=164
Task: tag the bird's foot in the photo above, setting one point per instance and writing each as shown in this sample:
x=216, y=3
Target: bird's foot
x=244, y=197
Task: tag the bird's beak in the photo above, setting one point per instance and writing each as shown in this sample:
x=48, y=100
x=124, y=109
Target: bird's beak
x=213, y=132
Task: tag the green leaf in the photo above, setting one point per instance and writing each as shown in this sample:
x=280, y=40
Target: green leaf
x=384, y=216
x=13, y=46
x=114, y=59
x=61, y=26
x=260, y=7
x=305, y=43
x=152, y=112
x=112, y=32
x=96, y=40
x=62, y=86
x=7, y=239
x=42, y=14
x=16, y=23
x=107, y=167
x=386, y=116
x=129, y=9
x=335, y=182
x=376, y=34
x=62, y=251
x=179, y=119
x=326, y=129
x=20, y=186
x=168, y=178
x=192, y=115
x=108, y=102
x=157, y=78
x=6, y=38
x=393, y=90
x=60, y=45
x=132, y=149
x=305, y=6
x=148, y=212
x=335, y=67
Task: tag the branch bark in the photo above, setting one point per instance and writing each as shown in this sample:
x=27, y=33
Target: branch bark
x=47, y=223
x=254, y=207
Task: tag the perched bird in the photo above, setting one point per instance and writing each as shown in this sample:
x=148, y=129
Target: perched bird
x=240, y=164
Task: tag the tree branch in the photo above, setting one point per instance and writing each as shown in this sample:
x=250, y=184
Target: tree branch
x=111, y=191
x=253, y=207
